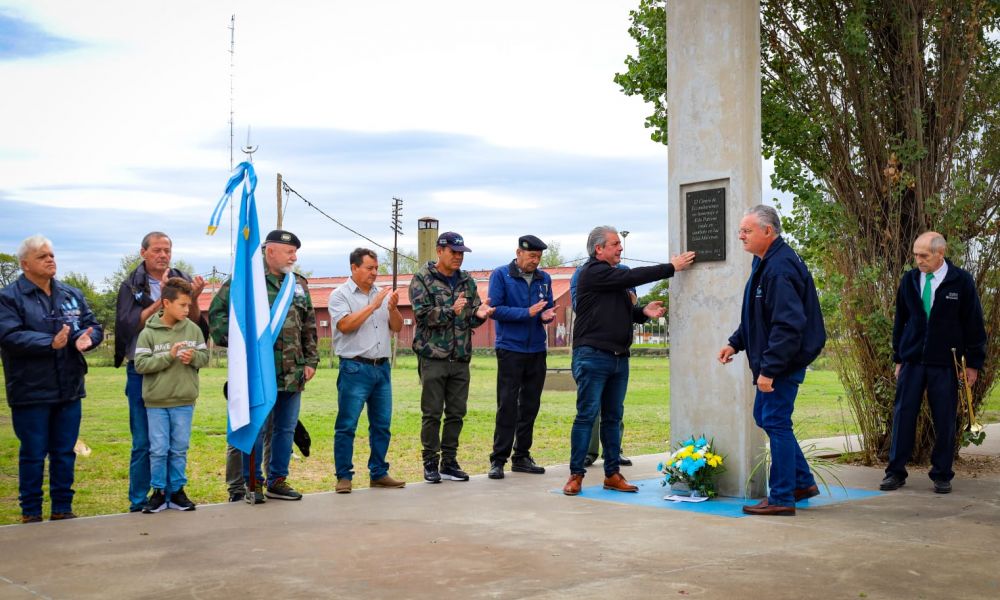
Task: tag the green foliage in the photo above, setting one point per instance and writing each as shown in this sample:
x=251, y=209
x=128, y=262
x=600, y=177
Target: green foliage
x=126, y=265
x=646, y=73
x=552, y=256
x=10, y=269
x=408, y=263
x=103, y=304
x=883, y=121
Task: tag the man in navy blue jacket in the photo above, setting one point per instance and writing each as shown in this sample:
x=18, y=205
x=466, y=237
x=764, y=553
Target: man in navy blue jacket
x=782, y=331
x=937, y=312
x=45, y=326
x=521, y=295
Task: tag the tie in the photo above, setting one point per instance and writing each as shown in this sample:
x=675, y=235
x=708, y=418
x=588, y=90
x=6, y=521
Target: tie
x=928, y=294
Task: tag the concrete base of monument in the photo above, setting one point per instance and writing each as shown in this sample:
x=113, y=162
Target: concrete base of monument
x=514, y=538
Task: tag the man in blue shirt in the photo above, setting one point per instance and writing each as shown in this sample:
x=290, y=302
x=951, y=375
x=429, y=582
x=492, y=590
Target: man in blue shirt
x=521, y=295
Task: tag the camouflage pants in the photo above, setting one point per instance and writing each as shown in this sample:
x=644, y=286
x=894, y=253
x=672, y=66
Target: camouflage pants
x=445, y=391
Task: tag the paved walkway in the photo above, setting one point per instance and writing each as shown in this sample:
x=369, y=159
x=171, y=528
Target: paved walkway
x=516, y=539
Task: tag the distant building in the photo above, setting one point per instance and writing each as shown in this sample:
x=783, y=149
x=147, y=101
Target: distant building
x=320, y=289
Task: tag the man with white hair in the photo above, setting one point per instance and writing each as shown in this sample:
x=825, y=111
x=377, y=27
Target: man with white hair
x=295, y=361
x=45, y=326
x=939, y=320
x=782, y=332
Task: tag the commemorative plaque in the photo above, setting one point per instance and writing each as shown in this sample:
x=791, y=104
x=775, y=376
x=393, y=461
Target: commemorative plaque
x=706, y=224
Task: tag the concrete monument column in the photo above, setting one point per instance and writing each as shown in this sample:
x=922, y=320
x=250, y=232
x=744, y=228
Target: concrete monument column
x=714, y=168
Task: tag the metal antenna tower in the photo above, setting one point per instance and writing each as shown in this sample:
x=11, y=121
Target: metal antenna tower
x=397, y=230
x=232, y=63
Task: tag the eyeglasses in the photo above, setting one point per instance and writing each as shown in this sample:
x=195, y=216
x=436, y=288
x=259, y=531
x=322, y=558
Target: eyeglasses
x=745, y=231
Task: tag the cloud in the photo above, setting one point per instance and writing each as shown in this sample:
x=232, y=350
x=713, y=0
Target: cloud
x=21, y=39
x=490, y=193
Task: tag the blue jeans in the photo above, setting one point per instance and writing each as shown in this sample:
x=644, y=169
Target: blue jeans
x=169, y=438
x=772, y=412
x=46, y=429
x=601, y=382
x=359, y=384
x=138, y=423
x=284, y=415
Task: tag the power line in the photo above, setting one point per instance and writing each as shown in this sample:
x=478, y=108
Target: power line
x=290, y=189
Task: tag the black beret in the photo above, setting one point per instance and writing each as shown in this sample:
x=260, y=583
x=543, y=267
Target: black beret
x=279, y=236
x=530, y=242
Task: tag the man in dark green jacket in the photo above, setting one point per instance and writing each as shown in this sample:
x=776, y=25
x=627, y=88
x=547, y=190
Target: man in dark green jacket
x=295, y=361
x=447, y=308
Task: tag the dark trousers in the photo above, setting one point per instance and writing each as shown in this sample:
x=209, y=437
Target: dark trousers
x=445, y=391
x=46, y=430
x=942, y=395
x=520, y=378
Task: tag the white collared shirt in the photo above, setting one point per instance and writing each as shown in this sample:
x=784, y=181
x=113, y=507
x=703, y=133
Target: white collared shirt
x=936, y=282
x=371, y=339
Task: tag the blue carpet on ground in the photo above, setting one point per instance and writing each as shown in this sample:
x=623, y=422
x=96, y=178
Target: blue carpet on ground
x=651, y=494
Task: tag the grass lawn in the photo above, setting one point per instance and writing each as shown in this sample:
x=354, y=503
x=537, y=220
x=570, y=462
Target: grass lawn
x=102, y=478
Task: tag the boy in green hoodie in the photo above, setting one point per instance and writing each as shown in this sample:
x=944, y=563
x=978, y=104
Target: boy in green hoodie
x=168, y=354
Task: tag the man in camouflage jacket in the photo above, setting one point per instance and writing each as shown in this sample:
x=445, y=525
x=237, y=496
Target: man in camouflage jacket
x=295, y=360
x=447, y=308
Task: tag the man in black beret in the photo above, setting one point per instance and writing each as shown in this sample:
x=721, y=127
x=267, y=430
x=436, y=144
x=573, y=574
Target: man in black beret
x=295, y=360
x=521, y=295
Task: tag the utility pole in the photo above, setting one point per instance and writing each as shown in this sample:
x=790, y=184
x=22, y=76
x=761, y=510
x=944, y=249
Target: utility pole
x=279, y=201
x=397, y=229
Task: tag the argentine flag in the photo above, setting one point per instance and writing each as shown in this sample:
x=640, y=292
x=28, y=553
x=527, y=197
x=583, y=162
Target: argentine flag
x=253, y=325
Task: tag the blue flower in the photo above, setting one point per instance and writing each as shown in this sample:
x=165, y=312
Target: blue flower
x=659, y=467
x=701, y=442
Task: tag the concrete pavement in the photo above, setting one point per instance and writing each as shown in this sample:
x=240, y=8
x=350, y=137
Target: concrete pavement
x=516, y=539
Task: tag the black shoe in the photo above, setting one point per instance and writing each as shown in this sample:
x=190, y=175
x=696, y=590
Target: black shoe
x=137, y=508
x=256, y=495
x=282, y=491
x=942, y=487
x=180, y=501
x=496, y=470
x=431, y=473
x=526, y=465
x=452, y=471
x=237, y=497
x=589, y=461
x=157, y=502
x=891, y=482
x=624, y=461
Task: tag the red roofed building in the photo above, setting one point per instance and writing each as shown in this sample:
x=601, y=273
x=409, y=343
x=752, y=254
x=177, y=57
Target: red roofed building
x=320, y=289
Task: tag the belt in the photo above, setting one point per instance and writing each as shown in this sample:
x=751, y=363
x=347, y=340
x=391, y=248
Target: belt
x=368, y=361
x=450, y=359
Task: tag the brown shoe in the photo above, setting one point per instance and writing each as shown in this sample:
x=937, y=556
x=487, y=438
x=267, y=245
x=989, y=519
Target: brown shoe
x=806, y=493
x=387, y=482
x=62, y=516
x=617, y=483
x=763, y=508
x=31, y=518
x=572, y=487
x=343, y=486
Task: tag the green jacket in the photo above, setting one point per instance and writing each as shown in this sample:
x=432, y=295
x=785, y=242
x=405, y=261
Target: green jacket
x=440, y=333
x=296, y=347
x=166, y=381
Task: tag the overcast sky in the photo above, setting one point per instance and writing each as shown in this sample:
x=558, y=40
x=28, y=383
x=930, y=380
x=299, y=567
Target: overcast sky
x=498, y=119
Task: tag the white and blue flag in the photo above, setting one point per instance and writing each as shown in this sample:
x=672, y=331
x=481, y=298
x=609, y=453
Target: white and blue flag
x=254, y=326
